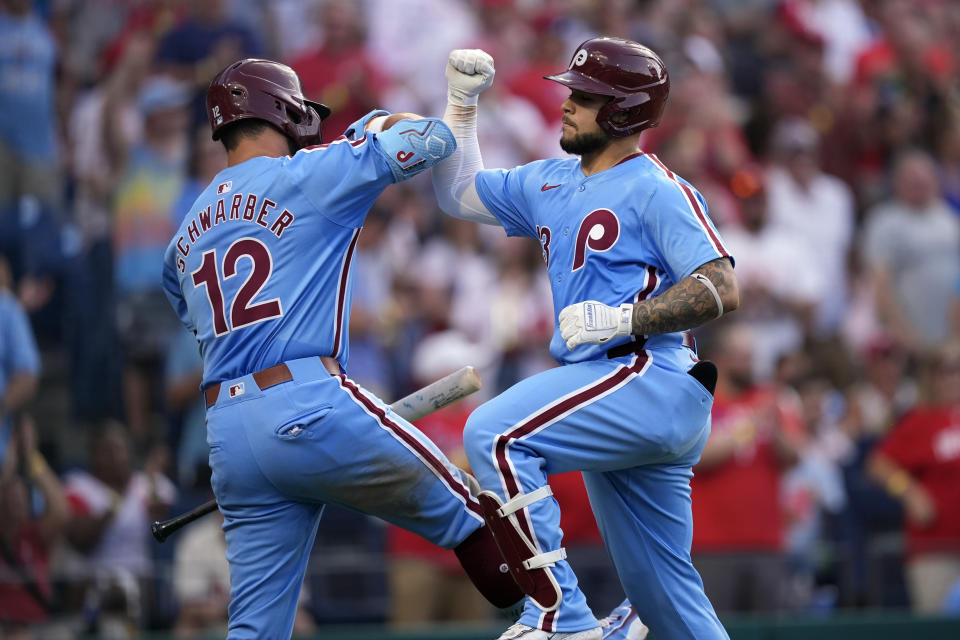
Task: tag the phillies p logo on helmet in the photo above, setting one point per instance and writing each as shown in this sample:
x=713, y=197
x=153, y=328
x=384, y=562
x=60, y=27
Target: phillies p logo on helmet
x=580, y=58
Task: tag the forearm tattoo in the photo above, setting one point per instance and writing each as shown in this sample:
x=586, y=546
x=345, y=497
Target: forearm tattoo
x=687, y=304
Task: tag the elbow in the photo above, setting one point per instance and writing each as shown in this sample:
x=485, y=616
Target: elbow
x=446, y=201
x=731, y=296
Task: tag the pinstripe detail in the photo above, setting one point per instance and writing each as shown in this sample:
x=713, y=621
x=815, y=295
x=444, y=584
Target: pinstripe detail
x=342, y=295
x=694, y=207
x=340, y=140
x=413, y=444
x=543, y=418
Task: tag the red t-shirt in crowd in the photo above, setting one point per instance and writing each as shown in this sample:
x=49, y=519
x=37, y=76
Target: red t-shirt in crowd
x=926, y=443
x=736, y=504
x=17, y=605
x=346, y=81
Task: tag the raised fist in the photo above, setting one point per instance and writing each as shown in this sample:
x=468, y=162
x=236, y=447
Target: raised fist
x=469, y=71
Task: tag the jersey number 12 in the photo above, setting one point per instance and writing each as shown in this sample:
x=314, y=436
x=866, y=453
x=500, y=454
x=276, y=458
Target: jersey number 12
x=242, y=313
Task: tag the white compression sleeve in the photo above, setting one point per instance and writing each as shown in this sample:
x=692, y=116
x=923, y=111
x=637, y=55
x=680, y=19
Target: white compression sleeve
x=453, y=179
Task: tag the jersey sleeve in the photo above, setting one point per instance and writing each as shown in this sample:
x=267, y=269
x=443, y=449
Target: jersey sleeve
x=343, y=178
x=681, y=233
x=171, y=287
x=502, y=192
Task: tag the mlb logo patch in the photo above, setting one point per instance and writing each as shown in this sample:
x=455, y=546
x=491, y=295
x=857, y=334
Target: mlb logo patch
x=225, y=187
x=236, y=390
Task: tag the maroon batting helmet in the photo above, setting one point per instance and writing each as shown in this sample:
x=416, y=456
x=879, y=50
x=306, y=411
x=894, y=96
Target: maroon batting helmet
x=632, y=75
x=267, y=91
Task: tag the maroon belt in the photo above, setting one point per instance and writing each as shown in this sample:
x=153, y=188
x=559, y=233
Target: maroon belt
x=271, y=376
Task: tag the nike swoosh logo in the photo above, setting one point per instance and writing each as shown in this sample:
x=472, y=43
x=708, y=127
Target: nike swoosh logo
x=547, y=187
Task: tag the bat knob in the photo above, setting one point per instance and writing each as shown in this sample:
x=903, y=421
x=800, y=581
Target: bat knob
x=159, y=531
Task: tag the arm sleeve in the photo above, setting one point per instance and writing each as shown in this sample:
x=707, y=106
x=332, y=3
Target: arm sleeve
x=343, y=178
x=454, y=180
x=171, y=287
x=681, y=232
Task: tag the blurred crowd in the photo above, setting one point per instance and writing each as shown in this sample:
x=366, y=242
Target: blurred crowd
x=824, y=135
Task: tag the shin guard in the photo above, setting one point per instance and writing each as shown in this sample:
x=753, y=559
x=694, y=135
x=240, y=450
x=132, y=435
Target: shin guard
x=529, y=567
x=480, y=558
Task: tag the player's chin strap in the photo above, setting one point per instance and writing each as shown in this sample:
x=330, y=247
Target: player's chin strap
x=529, y=567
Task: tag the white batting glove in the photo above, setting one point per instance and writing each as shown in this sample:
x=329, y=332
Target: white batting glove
x=593, y=322
x=469, y=71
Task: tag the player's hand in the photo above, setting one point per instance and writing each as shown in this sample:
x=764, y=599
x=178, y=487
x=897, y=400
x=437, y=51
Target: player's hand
x=593, y=322
x=469, y=71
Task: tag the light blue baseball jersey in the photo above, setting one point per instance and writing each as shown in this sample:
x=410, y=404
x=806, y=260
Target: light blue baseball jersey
x=259, y=268
x=621, y=235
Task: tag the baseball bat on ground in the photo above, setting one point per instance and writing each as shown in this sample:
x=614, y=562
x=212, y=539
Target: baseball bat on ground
x=418, y=404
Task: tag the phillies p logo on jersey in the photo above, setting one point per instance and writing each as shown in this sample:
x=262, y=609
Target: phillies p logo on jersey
x=599, y=231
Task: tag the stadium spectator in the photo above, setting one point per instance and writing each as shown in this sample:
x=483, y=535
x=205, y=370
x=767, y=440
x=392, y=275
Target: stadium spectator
x=948, y=159
x=96, y=156
x=919, y=464
x=112, y=506
x=29, y=160
x=869, y=529
x=339, y=72
x=817, y=211
x=545, y=51
x=781, y=292
x=19, y=358
x=912, y=247
x=148, y=184
x=27, y=538
x=812, y=494
x=739, y=536
x=205, y=42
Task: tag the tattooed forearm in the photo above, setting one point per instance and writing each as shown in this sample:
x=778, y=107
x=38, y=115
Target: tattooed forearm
x=688, y=303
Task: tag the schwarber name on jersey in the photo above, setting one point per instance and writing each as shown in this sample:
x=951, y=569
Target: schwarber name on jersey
x=621, y=235
x=259, y=268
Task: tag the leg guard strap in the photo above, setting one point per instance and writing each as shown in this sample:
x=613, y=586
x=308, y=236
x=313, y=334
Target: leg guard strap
x=519, y=502
x=528, y=567
x=547, y=559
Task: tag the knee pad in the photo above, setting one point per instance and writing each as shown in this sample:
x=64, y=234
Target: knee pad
x=529, y=567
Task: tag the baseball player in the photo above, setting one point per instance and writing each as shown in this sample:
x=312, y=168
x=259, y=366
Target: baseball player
x=633, y=262
x=260, y=271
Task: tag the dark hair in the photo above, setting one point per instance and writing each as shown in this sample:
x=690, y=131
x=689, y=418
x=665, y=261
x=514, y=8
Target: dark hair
x=233, y=133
